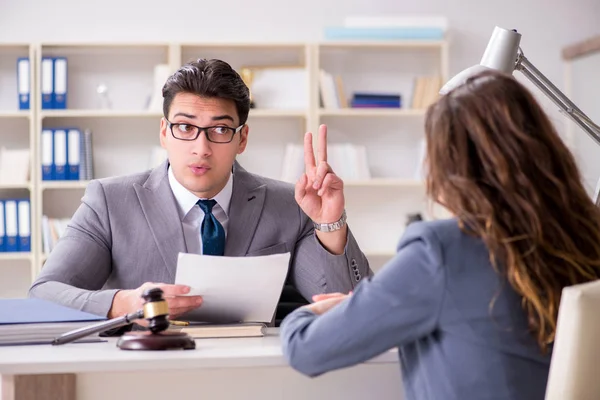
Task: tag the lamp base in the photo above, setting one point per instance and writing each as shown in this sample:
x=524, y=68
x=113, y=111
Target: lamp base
x=156, y=341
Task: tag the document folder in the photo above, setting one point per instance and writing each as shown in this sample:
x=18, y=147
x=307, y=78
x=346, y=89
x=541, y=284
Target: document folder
x=35, y=321
x=23, y=83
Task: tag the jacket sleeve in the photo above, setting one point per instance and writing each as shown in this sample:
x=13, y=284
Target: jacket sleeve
x=315, y=270
x=80, y=263
x=398, y=305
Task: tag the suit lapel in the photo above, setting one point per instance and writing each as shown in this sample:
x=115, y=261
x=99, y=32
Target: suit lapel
x=160, y=209
x=246, y=206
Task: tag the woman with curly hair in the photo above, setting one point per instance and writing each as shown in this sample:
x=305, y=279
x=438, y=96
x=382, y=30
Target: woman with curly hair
x=471, y=302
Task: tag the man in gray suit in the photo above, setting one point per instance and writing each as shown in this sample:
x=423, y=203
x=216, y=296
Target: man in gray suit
x=128, y=231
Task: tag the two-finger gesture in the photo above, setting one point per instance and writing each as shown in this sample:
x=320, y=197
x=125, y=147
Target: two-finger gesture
x=319, y=191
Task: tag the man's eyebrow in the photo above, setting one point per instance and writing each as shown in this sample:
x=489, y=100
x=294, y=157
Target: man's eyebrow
x=181, y=114
x=222, y=117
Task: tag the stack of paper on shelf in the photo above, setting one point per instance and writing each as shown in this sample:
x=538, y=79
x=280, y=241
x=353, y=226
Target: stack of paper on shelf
x=331, y=91
x=349, y=161
x=14, y=166
x=52, y=231
x=36, y=321
x=280, y=87
x=389, y=28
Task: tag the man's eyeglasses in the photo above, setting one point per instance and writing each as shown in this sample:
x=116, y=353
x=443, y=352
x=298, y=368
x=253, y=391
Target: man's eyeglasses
x=215, y=134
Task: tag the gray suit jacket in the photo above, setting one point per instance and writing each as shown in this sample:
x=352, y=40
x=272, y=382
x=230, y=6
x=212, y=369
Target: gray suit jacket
x=432, y=302
x=127, y=231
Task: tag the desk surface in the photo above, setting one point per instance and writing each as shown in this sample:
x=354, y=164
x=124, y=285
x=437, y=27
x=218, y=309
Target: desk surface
x=106, y=356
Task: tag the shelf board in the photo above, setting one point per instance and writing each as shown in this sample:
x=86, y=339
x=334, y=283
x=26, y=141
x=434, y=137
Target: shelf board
x=242, y=45
x=100, y=113
x=370, y=112
x=100, y=45
x=15, y=114
x=379, y=253
x=412, y=44
x=64, y=184
x=15, y=186
x=385, y=182
x=265, y=113
x=16, y=256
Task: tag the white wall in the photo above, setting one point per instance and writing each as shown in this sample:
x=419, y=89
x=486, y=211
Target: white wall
x=546, y=25
x=585, y=92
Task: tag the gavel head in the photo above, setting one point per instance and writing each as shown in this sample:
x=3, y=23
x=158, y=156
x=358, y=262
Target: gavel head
x=156, y=310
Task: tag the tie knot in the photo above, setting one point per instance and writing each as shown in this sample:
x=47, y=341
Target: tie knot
x=206, y=205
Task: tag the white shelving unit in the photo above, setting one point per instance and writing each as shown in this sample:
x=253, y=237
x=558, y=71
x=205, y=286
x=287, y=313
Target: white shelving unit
x=124, y=135
x=17, y=131
x=378, y=208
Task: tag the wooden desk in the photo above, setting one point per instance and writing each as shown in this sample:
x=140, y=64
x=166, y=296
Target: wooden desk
x=245, y=368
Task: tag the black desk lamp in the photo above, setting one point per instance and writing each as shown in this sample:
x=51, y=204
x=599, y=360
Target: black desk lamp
x=156, y=311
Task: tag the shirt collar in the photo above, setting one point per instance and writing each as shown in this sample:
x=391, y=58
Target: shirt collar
x=187, y=200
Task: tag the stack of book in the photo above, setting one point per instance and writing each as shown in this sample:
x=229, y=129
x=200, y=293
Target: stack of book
x=376, y=100
x=426, y=91
x=200, y=330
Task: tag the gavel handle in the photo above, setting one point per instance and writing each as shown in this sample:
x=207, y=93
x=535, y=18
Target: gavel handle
x=97, y=328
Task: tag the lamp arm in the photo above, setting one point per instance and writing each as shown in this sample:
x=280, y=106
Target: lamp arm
x=561, y=100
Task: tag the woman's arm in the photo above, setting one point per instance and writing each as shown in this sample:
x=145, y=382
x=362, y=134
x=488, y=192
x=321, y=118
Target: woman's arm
x=398, y=305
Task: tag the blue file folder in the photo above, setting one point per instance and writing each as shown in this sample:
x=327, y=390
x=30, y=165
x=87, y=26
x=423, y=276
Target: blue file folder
x=2, y=227
x=24, y=229
x=11, y=224
x=38, y=311
x=60, y=154
x=47, y=148
x=23, y=82
x=73, y=154
x=59, y=100
x=47, y=75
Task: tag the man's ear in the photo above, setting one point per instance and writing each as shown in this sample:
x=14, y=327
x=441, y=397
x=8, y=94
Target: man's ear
x=163, y=132
x=243, y=139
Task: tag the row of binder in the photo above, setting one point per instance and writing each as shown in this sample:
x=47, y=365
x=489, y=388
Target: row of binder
x=54, y=82
x=15, y=225
x=66, y=154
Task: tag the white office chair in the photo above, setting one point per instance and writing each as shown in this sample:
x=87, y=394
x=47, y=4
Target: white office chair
x=575, y=365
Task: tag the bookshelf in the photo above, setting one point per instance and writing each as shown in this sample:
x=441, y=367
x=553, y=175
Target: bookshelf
x=17, y=131
x=393, y=138
x=125, y=134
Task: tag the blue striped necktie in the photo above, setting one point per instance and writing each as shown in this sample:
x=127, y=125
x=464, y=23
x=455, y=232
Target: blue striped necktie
x=213, y=234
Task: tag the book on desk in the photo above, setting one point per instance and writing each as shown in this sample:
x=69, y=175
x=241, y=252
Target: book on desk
x=37, y=321
x=199, y=330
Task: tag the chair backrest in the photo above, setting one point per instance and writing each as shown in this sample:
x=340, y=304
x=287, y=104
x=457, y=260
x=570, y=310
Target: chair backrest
x=575, y=364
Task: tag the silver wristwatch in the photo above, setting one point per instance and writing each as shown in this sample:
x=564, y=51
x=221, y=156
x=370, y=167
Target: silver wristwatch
x=334, y=226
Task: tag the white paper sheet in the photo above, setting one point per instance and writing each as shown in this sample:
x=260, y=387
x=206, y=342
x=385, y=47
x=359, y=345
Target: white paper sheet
x=234, y=289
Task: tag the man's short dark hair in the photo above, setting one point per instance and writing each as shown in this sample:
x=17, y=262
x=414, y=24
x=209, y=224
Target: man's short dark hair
x=208, y=78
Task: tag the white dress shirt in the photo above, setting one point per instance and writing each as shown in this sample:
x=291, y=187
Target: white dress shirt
x=191, y=215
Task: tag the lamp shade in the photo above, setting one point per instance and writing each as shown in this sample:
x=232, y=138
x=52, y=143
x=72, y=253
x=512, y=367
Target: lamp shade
x=500, y=54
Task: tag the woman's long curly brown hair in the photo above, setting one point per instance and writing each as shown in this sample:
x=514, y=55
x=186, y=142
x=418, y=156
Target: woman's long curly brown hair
x=496, y=162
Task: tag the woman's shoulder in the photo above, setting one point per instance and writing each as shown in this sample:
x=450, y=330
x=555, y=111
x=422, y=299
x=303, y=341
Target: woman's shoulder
x=437, y=230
